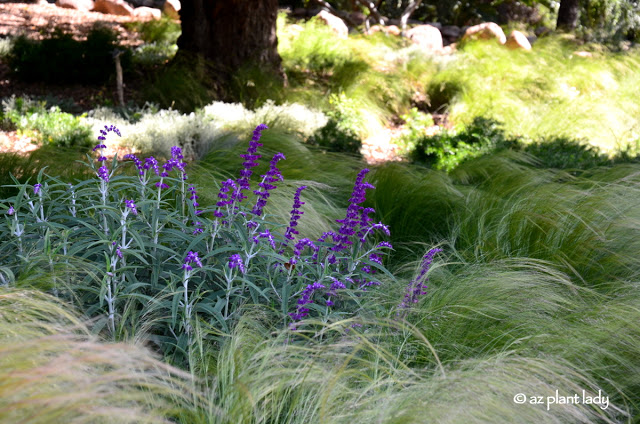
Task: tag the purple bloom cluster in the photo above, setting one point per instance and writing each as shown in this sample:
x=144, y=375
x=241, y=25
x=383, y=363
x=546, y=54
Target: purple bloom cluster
x=36, y=188
x=225, y=198
x=174, y=162
x=272, y=175
x=11, y=210
x=296, y=213
x=250, y=161
x=235, y=261
x=102, y=137
x=103, y=173
x=198, y=227
x=300, y=245
x=194, y=198
x=151, y=163
x=192, y=258
x=418, y=287
x=137, y=162
x=337, y=284
x=266, y=234
x=131, y=205
x=305, y=299
x=107, y=129
x=356, y=215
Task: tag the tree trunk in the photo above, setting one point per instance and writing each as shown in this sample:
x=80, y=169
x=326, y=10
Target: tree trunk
x=229, y=34
x=568, y=15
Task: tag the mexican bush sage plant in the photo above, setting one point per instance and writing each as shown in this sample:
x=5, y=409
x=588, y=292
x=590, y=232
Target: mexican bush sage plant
x=151, y=247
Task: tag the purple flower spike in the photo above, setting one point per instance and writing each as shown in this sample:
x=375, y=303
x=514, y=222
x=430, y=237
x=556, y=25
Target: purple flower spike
x=11, y=211
x=194, y=196
x=250, y=161
x=131, y=206
x=357, y=216
x=103, y=173
x=235, y=261
x=103, y=136
x=270, y=177
x=418, y=287
x=225, y=198
x=192, y=258
x=36, y=188
x=305, y=299
x=296, y=213
x=137, y=162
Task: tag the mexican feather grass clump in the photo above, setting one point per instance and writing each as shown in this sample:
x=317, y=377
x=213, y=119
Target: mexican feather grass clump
x=54, y=370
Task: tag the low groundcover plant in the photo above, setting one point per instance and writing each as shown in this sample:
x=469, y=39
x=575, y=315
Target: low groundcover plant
x=148, y=246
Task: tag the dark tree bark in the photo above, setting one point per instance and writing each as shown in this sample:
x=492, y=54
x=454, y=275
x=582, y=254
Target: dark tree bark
x=229, y=34
x=568, y=15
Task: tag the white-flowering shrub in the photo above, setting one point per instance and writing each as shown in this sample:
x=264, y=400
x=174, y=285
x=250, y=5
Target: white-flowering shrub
x=289, y=117
x=159, y=131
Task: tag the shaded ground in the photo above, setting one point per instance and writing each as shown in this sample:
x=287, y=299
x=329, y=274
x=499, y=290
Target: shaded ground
x=38, y=20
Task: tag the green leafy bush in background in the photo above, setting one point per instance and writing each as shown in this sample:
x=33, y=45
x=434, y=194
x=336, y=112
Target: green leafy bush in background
x=342, y=131
x=42, y=124
x=416, y=122
x=449, y=149
x=566, y=153
x=160, y=38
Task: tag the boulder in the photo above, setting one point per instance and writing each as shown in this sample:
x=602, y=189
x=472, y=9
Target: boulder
x=336, y=24
x=451, y=31
x=113, y=7
x=392, y=29
x=171, y=8
x=518, y=40
x=84, y=5
x=426, y=36
x=147, y=13
x=485, y=31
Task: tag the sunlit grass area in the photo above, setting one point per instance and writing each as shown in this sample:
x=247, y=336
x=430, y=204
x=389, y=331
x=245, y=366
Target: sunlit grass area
x=550, y=91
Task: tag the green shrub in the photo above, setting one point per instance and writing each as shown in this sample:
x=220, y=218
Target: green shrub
x=449, y=149
x=153, y=54
x=48, y=126
x=416, y=122
x=162, y=31
x=334, y=137
x=61, y=59
x=566, y=153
